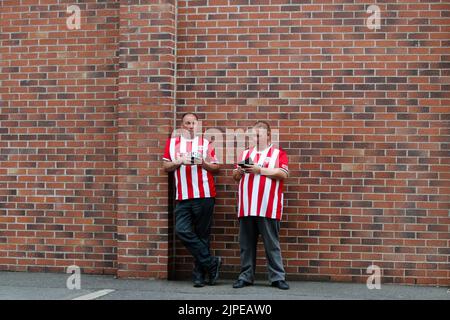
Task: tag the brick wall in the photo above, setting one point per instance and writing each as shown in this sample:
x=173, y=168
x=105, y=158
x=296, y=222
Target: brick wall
x=363, y=115
x=57, y=136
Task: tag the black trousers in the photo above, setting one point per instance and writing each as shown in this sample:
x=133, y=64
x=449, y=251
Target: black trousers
x=269, y=229
x=193, y=219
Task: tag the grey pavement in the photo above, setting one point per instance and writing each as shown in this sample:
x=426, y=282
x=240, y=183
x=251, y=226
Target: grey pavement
x=52, y=286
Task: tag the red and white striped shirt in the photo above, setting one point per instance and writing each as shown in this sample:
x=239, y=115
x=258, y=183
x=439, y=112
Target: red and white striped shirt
x=260, y=195
x=191, y=181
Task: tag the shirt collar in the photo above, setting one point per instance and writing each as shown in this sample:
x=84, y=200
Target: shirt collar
x=262, y=151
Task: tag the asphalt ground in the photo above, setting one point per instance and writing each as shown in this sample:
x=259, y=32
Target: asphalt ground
x=53, y=286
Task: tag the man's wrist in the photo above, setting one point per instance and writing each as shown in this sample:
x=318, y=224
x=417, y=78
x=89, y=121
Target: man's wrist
x=177, y=164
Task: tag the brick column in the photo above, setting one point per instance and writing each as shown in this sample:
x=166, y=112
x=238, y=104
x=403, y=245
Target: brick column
x=57, y=136
x=145, y=113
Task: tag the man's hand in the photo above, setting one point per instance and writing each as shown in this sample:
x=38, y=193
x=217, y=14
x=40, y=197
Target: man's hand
x=199, y=161
x=252, y=169
x=238, y=173
x=178, y=161
x=173, y=165
x=186, y=159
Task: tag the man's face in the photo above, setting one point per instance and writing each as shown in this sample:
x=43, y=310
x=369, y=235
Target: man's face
x=190, y=124
x=260, y=136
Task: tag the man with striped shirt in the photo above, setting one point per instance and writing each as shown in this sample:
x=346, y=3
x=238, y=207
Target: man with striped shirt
x=260, y=206
x=193, y=161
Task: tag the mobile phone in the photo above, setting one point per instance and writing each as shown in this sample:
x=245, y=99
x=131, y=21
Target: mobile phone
x=195, y=156
x=245, y=163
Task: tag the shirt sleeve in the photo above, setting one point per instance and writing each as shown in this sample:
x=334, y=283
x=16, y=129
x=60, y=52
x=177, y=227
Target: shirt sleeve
x=283, y=162
x=166, y=155
x=211, y=154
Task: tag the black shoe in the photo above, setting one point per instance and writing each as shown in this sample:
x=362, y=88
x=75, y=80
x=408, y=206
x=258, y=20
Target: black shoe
x=199, y=283
x=198, y=277
x=214, y=271
x=241, y=283
x=281, y=284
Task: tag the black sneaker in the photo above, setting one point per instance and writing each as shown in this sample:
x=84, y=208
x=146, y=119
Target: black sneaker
x=198, y=277
x=281, y=284
x=198, y=283
x=214, y=271
x=241, y=283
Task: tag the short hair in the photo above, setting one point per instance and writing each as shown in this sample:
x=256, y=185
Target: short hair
x=262, y=124
x=189, y=113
